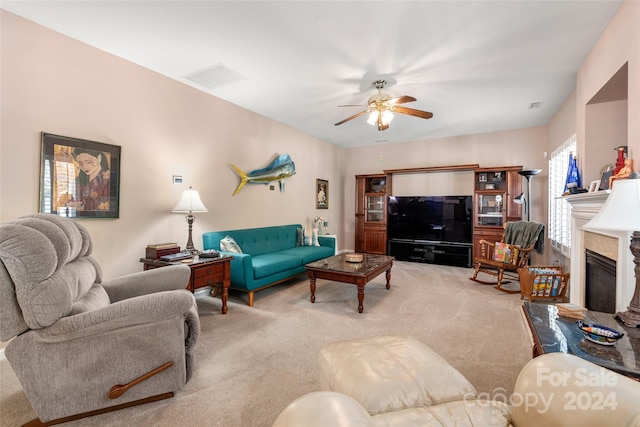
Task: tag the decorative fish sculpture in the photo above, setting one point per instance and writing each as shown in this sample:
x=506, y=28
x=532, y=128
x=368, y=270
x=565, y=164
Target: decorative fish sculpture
x=281, y=168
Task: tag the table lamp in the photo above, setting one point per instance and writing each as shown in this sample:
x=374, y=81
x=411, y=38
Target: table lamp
x=189, y=203
x=621, y=212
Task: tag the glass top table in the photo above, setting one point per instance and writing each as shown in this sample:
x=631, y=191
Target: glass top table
x=337, y=268
x=553, y=333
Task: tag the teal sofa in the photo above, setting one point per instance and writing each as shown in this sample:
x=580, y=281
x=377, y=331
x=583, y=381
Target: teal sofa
x=269, y=255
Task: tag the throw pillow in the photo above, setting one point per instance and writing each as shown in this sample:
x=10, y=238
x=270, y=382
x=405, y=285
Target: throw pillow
x=501, y=252
x=229, y=245
x=314, y=237
x=300, y=237
x=308, y=236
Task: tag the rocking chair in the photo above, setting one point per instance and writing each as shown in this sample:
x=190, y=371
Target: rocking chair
x=503, y=258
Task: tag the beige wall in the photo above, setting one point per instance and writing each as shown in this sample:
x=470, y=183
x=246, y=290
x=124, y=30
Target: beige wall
x=58, y=85
x=618, y=44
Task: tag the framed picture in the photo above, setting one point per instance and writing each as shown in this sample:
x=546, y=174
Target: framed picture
x=489, y=186
x=605, y=174
x=79, y=178
x=482, y=177
x=322, y=194
x=594, y=186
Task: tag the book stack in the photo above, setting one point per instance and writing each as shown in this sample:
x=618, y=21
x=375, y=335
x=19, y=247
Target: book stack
x=572, y=311
x=157, y=250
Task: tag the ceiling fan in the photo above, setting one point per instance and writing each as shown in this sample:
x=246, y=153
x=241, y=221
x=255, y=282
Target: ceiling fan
x=381, y=107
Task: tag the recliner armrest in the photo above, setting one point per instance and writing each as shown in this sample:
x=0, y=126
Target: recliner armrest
x=146, y=282
x=559, y=389
x=324, y=408
x=144, y=309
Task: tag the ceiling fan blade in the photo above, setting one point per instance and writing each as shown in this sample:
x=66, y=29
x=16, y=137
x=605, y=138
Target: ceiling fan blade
x=401, y=100
x=412, y=112
x=355, y=116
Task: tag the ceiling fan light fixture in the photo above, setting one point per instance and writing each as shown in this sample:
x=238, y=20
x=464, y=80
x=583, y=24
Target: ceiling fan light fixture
x=373, y=118
x=387, y=116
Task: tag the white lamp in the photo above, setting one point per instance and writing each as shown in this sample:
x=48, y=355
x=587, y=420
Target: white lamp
x=621, y=212
x=190, y=202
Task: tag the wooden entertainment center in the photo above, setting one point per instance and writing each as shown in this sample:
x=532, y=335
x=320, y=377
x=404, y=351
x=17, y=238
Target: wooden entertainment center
x=494, y=190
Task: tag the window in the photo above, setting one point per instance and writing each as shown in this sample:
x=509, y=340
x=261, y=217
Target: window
x=559, y=229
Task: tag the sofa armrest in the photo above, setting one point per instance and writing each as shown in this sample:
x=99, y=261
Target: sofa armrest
x=241, y=268
x=324, y=408
x=560, y=389
x=329, y=242
x=145, y=282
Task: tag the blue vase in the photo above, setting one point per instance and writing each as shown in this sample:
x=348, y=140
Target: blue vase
x=573, y=175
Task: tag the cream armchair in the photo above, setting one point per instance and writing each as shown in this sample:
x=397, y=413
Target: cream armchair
x=83, y=346
x=397, y=381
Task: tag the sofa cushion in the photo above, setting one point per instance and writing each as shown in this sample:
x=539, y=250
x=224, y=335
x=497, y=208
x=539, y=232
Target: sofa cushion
x=268, y=264
x=390, y=373
x=309, y=253
x=471, y=412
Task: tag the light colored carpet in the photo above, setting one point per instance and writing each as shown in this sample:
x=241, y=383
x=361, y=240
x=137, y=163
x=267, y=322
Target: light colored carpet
x=253, y=361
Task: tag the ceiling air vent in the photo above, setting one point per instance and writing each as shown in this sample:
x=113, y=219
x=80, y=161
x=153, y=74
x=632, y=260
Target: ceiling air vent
x=215, y=76
x=535, y=105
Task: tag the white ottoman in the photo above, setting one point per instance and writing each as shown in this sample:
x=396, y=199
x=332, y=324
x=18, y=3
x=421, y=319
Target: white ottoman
x=391, y=373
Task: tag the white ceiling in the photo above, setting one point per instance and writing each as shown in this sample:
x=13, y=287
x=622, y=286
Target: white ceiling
x=477, y=65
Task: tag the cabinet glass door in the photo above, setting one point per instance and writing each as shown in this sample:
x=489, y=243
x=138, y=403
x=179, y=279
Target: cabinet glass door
x=490, y=209
x=375, y=209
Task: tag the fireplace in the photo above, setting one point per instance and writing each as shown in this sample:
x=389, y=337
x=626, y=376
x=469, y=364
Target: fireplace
x=610, y=244
x=600, y=282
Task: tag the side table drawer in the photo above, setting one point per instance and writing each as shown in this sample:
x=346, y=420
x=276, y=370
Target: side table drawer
x=207, y=275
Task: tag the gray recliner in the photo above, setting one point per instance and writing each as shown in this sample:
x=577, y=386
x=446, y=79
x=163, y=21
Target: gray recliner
x=83, y=346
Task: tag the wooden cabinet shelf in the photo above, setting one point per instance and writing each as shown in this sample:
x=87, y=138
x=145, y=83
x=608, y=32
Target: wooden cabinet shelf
x=371, y=213
x=493, y=200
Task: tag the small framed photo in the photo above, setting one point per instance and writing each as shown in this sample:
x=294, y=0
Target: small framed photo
x=606, y=173
x=322, y=194
x=593, y=187
x=482, y=177
x=79, y=178
x=489, y=186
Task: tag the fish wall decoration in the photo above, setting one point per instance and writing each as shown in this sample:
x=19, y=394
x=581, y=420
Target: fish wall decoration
x=281, y=168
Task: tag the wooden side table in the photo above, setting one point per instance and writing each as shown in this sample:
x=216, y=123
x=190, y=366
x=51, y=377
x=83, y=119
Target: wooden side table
x=204, y=272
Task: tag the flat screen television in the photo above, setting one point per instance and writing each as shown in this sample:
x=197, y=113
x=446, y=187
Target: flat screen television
x=430, y=218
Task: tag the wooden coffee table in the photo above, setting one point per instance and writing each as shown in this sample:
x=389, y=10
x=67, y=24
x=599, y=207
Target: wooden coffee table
x=339, y=269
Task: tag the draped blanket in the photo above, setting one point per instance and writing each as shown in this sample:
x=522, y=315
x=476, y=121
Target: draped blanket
x=524, y=234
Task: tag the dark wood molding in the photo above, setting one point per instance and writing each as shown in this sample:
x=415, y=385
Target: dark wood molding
x=453, y=168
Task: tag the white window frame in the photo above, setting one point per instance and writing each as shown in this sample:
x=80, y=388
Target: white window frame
x=559, y=224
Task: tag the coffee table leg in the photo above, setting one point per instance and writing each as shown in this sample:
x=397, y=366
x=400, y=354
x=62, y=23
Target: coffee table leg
x=360, y=298
x=312, y=286
x=388, y=278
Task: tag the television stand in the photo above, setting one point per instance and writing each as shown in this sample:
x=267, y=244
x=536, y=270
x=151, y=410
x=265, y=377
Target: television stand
x=446, y=253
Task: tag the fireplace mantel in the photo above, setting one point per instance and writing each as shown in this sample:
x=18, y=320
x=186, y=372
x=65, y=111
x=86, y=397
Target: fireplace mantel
x=585, y=206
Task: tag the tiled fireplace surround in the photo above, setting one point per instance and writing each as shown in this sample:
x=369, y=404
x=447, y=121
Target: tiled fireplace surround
x=612, y=244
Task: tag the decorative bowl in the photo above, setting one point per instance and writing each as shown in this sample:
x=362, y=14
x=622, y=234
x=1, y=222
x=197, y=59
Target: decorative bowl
x=599, y=334
x=355, y=258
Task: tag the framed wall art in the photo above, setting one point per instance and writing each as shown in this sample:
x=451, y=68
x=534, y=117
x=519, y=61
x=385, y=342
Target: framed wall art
x=79, y=178
x=322, y=194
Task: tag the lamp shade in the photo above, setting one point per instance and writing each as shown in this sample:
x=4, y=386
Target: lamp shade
x=621, y=211
x=190, y=202
x=519, y=199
